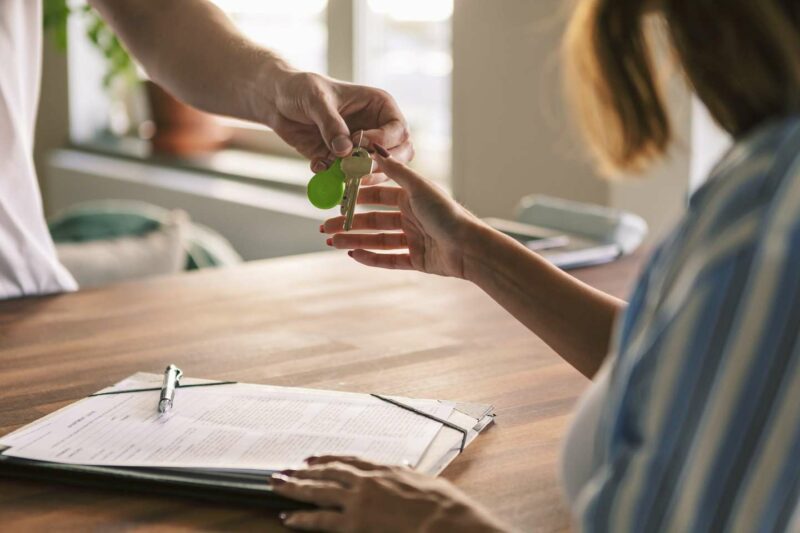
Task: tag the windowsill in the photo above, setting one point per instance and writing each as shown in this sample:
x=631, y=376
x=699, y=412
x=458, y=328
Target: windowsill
x=271, y=172
x=253, y=168
x=69, y=168
x=260, y=220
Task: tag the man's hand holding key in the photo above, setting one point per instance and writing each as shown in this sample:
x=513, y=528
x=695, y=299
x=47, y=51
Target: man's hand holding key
x=340, y=184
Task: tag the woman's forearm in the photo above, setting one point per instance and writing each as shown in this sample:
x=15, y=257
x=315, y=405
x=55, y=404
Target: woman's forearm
x=575, y=319
x=192, y=49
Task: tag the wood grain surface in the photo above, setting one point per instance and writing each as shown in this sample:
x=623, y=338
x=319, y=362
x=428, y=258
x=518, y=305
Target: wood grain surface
x=318, y=321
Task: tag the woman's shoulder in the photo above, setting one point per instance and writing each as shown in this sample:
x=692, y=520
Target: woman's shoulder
x=759, y=174
x=773, y=140
x=745, y=220
x=769, y=152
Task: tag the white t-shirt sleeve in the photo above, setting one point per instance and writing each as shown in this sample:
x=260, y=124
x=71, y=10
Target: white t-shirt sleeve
x=28, y=262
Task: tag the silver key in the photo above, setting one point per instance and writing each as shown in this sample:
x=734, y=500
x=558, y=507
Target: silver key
x=355, y=167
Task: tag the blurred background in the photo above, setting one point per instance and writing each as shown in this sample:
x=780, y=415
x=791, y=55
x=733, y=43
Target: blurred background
x=479, y=82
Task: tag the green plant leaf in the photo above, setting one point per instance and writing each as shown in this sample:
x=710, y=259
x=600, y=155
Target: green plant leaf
x=55, y=16
x=119, y=64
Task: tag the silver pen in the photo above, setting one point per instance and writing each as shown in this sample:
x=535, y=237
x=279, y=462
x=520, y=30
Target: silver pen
x=172, y=376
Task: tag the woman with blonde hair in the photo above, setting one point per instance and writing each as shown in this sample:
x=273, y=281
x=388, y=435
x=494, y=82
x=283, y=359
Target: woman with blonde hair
x=693, y=420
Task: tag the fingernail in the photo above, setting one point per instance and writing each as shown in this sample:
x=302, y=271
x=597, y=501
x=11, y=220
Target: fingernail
x=278, y=479
x=341, y=144
x=318, y=166
x=350, y=253
x=321, y=228
x=381, y=150
x=283, y=517
x=312, y=459
x=329, y=242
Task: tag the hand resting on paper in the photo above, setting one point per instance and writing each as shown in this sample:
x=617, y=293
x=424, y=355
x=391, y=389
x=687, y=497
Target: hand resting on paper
x=355, y=495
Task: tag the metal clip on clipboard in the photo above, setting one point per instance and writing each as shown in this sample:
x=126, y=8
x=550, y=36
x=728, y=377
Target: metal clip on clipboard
x=428, y=416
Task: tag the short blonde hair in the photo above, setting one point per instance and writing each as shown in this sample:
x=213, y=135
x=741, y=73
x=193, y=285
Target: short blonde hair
x=741, y=57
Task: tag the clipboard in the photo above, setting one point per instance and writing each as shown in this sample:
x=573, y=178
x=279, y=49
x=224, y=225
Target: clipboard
x=240, y=488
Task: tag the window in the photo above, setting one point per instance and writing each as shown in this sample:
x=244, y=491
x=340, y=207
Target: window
x=405, y=47
x=401, y=46
x=296, y=28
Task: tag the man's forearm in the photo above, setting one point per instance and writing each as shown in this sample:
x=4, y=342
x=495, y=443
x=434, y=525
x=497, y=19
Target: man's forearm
x=575, y=319
x=192, y=49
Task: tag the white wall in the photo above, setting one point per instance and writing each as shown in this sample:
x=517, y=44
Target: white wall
x=660, y=196
x=512, y=135
x=709, y=143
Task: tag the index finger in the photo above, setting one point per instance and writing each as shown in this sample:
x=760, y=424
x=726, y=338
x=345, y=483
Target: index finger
x=337, y=472
x=307, y=490
x=374, y=179
x=356, y=462
x=399, y=172
x=380, y=195
x=391, y=134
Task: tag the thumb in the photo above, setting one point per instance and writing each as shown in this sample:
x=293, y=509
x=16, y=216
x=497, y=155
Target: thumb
x=331, y=126
x=400, y=173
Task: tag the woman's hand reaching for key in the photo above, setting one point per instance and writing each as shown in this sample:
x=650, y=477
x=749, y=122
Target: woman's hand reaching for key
x=428, y=228
x=431, y=232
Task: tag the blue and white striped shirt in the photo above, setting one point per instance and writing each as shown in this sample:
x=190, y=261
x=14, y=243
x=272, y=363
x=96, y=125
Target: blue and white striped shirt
x=701, y=429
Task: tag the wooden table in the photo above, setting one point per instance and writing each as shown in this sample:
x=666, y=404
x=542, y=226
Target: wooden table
x=319, y=321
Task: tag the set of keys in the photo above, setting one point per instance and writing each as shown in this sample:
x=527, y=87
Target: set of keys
x=339, y=184
x=355, y=167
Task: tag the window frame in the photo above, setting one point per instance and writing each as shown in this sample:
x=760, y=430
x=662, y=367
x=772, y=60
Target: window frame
x=341, y=62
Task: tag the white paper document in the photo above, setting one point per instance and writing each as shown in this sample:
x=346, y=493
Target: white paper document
x=231, y=427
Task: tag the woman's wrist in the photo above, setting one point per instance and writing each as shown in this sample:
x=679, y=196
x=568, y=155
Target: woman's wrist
x=466, y=238
x=485, y=250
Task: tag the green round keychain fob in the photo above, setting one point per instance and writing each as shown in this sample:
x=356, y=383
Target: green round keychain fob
x=326, y=188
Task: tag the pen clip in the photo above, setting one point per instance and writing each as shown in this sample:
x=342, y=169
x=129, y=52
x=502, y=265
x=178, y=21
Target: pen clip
x=171, y=371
